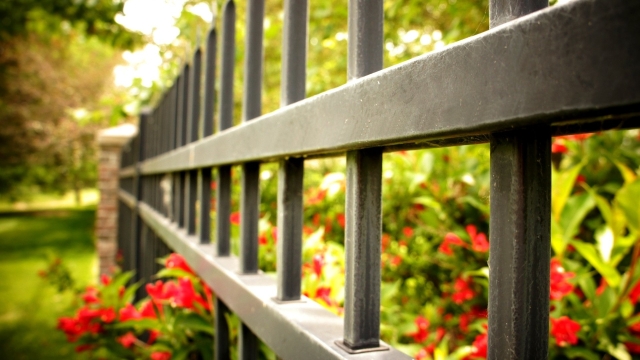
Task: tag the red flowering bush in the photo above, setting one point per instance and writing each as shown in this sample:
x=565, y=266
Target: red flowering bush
x=435, y=247
x=173, y=322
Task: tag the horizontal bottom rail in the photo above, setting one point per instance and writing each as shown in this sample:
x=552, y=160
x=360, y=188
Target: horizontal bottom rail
x=297, y=330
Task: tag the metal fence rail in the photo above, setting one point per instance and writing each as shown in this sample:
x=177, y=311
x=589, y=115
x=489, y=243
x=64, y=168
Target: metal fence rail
x=571, y=68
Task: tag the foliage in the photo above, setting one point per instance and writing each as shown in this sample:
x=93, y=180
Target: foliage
x=55, y=66
x=173, y=323
x=435, y=246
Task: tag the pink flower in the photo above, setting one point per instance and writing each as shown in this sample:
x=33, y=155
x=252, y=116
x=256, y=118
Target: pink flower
x=565, y=330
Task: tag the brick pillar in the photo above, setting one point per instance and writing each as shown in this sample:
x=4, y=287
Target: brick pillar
x=110, y=143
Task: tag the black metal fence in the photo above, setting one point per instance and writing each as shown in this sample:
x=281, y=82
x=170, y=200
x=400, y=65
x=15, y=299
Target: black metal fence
x=568, y=69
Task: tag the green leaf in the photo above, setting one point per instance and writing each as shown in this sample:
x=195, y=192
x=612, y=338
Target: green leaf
x=193, y=322
x=589, y=252
x=580, y=353
x=588, y=286
x=627, y=199
x=619, y=352
x=558, y=243
x=428, y=201
x=627, y=174
x=574, y=212
x=562, y=184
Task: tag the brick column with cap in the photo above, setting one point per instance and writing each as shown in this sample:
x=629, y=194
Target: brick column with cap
x=110, y=143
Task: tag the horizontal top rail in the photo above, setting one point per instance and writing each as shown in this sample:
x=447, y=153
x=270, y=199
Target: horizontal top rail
x=575, y=62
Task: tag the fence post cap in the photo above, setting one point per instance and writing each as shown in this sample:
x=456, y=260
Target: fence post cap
x=116, y=136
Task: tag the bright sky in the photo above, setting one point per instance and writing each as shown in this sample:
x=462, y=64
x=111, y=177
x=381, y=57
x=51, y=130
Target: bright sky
x=156, y=19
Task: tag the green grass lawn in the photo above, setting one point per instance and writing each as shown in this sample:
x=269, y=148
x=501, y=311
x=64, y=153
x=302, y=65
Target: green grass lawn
x=30, y=306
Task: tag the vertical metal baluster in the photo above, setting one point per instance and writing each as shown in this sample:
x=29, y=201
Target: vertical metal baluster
x=223, y=183
x=207, y=129
x=193, y=104
x=176, y=144
x=138, y=181
x=250, y=196
x=364, y=195
x=520, y=228
x=225, y=121
x=291, y=172
x=183, y=141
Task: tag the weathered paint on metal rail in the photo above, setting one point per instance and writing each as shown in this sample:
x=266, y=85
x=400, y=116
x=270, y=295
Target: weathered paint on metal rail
x=518, y=74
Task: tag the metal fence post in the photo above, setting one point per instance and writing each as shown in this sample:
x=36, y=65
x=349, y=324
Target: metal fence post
x=520, y=228
x=291, y=173
x=364, y=195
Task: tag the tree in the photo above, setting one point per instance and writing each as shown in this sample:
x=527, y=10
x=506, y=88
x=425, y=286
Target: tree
x=56, y=59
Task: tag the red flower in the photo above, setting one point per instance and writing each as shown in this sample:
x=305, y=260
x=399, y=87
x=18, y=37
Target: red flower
x=395, y=260
x=161, y=355
x=235, y=218
x=450, y=239
x=579, y=137
x=558, y=147
x=565, y=330
x=127, y=340
x=185, y=295
x=274, y=234
x=91, y=295
x=129, y=312
x=324, y=293
x=108, y=315
x=161, y=291
x=105, y=280
x=176, y=261
x=632, y=347
x=559, y=284
x=385, y=241
x=148, y=310
x=213, y=185
x=479, y=346
x=84, y=347
x=318, y=264
x=422, y=333
x=465, y=319
x=479, y=241
x=341, y=220
x=634, y=295
x=462, y=291
x=153, y=335
x=262, y=240
x=440, y=332
x=601, y=287
x=407, y=231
